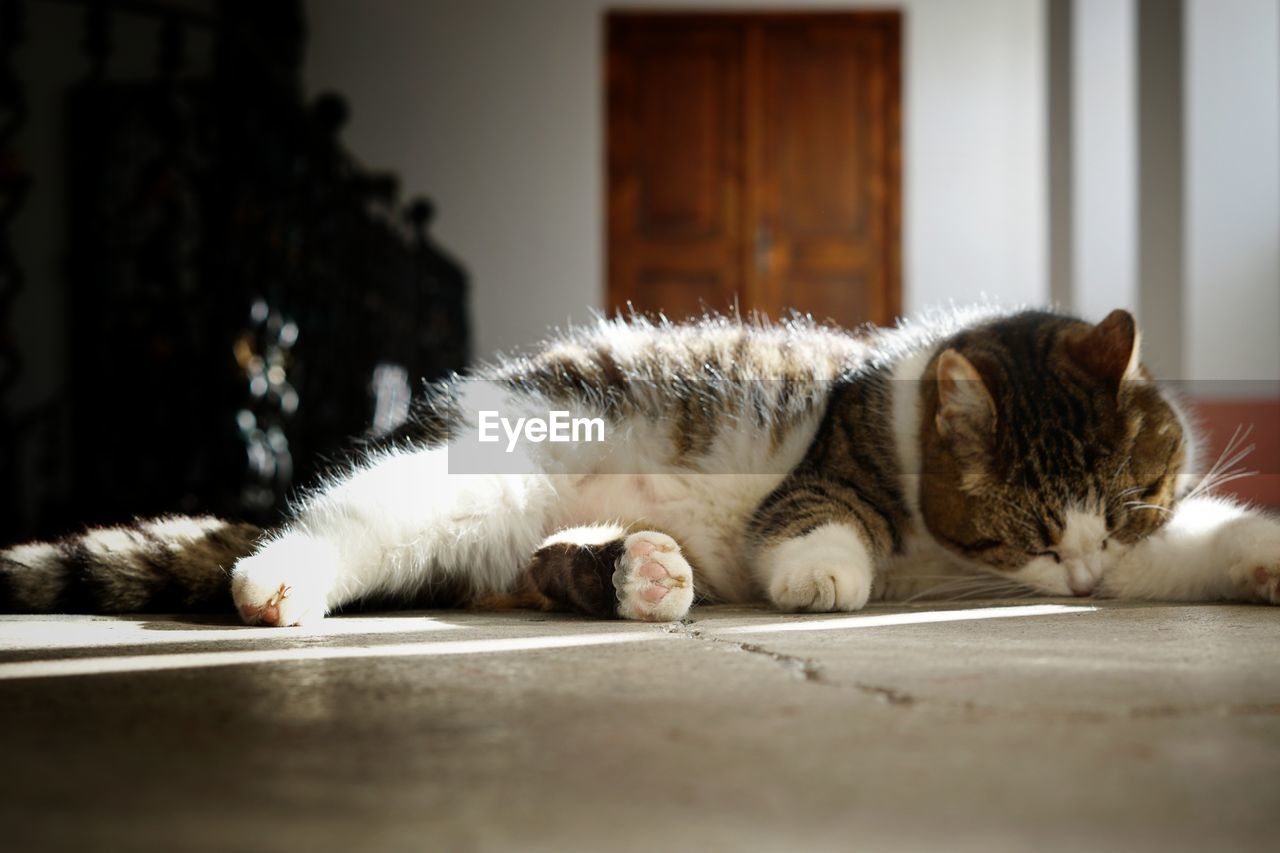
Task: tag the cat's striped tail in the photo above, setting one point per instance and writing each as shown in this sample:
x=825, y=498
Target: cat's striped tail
x=170, y=564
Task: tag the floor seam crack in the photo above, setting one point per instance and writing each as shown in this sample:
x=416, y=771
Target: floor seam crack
x=811, y=672
x=805, y=669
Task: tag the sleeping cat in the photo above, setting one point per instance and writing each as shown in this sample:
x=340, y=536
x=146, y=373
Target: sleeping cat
x=980, y=452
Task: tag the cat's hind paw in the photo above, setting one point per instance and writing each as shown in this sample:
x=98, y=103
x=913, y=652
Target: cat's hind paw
x=1256, y=559
x=1266, y=580
x=286, y=582
x=653, y=581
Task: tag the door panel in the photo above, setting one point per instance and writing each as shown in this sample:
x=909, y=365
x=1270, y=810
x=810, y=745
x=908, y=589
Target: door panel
x=753, y=162
x=675, y=153
x=679, y=114
x=815, y=155
x=823, y=169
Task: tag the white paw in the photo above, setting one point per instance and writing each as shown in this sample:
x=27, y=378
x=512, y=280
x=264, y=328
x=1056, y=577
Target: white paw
x=825, y=570
x=286, y=582
x=820, y=588
x=1255, y=564
x=653, y=581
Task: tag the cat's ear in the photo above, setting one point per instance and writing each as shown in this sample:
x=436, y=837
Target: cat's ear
x=1109, y=350
x=965, y=407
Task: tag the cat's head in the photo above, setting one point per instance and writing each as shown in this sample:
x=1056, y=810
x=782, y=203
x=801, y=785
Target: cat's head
x=1046, y=450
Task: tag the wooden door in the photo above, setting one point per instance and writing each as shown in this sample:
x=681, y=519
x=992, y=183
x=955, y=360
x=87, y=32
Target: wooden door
x=753, y=162
x=675, y=162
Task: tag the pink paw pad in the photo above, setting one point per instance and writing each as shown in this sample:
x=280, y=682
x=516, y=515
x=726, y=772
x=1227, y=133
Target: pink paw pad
x=653, y=571
x=654, y=593
x=268, y=613
x=640, y=549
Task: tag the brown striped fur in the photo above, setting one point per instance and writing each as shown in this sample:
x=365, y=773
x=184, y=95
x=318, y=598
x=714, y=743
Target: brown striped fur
x=697, y=377
x=158, y=565
x=1065, y=426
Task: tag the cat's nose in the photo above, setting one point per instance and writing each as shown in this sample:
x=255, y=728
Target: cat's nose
x=1080, y=580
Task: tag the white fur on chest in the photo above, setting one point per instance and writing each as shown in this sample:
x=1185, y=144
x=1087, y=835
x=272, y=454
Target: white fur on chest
x=638, y=482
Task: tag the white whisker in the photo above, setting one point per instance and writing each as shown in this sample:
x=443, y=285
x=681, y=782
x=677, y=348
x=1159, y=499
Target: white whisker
x=1224, y=470
x=1141, y=505
x=972, y=587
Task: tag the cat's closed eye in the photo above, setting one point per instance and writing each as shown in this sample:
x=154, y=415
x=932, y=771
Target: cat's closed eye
x=1153, y=489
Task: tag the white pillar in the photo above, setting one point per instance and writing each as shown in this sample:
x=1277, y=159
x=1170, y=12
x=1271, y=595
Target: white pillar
x=1104, y=146
x=1232, y=320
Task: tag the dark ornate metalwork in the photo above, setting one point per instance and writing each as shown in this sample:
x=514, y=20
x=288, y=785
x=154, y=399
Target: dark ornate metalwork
x=440, y=288
x=14, y=184
x=244, y=295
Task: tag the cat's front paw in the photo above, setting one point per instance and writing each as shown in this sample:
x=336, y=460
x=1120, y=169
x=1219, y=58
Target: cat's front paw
x=825, y=570
x=653, y=581
x=1255, y=562
x=820, y=588
x=286, y=582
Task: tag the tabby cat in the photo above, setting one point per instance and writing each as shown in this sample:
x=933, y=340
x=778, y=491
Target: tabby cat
x=980, y=452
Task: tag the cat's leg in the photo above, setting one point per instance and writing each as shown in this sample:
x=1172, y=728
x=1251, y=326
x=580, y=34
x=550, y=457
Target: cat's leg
x=605, y=571
x=816, y=546
x=1210, y=550
x=394, y=526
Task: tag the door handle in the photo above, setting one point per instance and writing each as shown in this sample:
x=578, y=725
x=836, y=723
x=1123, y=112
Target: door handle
x=764, y=249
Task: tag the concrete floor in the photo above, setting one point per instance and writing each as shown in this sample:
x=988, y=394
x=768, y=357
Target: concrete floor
x=1101, y=726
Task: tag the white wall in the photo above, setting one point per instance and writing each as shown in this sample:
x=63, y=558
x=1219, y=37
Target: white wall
x=495, y=109
x=1104, y=154
x=1233, y=191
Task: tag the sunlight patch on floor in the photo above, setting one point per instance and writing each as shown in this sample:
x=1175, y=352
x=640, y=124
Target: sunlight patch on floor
x=926, y=617
x=59, y=632
x=62, y=633
x=200, y=660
